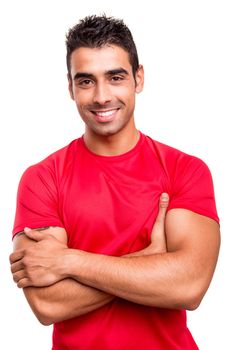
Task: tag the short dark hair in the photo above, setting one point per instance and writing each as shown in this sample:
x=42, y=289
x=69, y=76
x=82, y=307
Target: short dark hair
x=98, y=31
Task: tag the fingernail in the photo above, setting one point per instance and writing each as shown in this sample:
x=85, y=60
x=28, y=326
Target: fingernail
x=165, y=197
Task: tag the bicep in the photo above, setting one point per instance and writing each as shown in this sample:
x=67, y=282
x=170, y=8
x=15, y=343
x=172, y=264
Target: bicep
x=197, y=238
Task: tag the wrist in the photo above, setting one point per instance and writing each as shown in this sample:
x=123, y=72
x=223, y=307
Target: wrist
x=69, y=263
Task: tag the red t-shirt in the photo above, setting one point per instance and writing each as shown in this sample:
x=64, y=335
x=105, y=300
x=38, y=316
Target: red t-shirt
x=108, y=205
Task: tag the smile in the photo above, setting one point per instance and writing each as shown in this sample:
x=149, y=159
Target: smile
x=105, y=116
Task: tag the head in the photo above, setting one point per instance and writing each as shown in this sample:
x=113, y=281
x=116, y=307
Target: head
x=103, y=74
x=100, y=31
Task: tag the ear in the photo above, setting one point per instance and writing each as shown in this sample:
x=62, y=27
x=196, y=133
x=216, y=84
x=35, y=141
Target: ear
x=139, y=78
x=70, y=86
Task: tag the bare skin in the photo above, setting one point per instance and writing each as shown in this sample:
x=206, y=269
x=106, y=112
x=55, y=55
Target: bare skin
x=66, y=298
x=187, y=266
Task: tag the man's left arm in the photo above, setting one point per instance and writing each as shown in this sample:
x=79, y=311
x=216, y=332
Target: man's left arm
x=178, y=278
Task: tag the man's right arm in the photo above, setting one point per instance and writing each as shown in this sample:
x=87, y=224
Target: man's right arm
x=68, y=298
x=65, y=299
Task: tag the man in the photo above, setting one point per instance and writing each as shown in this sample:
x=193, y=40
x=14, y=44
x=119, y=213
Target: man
x=90, y=249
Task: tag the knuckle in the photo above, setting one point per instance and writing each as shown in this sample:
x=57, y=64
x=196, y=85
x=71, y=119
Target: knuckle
x=25, y=261
x=15, y=279
x=20, y=284
x=164, y=203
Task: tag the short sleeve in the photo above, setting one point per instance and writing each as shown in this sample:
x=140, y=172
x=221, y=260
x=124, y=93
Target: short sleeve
x=192, y=187
x=37, y=199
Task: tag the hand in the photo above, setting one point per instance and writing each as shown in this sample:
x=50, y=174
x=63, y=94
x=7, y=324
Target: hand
x=158, y=234
x=38, y=265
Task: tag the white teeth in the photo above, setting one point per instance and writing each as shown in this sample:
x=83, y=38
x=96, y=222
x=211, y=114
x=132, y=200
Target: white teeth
x=106, y=114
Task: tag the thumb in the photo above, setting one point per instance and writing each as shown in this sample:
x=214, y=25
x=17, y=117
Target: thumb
x=160, y=219
x=164, y=200
x=158, y=234
x=33, y=234
x=163, y=205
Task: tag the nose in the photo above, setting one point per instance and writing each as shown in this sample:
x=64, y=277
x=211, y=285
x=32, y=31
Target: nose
x=102, y=94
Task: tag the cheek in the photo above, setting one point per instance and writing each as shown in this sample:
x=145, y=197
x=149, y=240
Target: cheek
x=82, y=98
x=125, y=94
x=130, y=98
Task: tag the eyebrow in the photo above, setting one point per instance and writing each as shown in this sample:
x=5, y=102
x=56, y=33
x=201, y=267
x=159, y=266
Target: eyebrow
x=83, y=75
x=108, y=72
x=117, y=71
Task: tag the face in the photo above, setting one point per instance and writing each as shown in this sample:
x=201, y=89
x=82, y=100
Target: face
x=103, y=86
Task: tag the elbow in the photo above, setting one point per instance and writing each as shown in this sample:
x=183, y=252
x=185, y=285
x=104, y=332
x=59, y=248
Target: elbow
x=193, y=304
x=41, y=309
x=43, y=316
x=45, y=320
x=183, y=303
x=193, y=299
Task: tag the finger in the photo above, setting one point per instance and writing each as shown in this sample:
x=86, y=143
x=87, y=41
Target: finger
x=23, y=283
x=16, y=256
x=17, y=276
x=158, y=236
x=164, y=200
x=163, y=205
x=33, y=234
x=17, y=266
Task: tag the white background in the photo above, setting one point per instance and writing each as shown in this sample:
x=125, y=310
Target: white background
x=186, y=49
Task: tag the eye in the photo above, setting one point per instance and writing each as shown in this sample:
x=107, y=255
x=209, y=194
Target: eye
x=117, y=78
x=85, y=82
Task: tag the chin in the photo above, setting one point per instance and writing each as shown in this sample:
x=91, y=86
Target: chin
x=107, y=130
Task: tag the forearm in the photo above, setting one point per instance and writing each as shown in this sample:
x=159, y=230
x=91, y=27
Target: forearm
x=67, y=299
x=159, y=280
x=64, y=300
x=177, y=278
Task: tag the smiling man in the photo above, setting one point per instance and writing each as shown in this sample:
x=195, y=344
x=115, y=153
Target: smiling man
x=116, y=234
x=103, y=85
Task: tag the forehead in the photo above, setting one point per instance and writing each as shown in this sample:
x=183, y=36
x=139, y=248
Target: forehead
x=97, y=60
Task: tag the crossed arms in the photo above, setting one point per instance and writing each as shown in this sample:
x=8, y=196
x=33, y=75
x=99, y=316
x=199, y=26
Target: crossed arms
x=174, y=271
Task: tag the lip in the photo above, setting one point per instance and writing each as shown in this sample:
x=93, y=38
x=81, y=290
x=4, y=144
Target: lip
x=105, y=115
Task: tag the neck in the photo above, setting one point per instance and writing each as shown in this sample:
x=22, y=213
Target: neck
x=111, y=145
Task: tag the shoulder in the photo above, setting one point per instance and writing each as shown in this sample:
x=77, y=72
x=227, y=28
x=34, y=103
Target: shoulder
x=52, y=167
x=175, y=160
x=57, y=158
x=189, y=178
